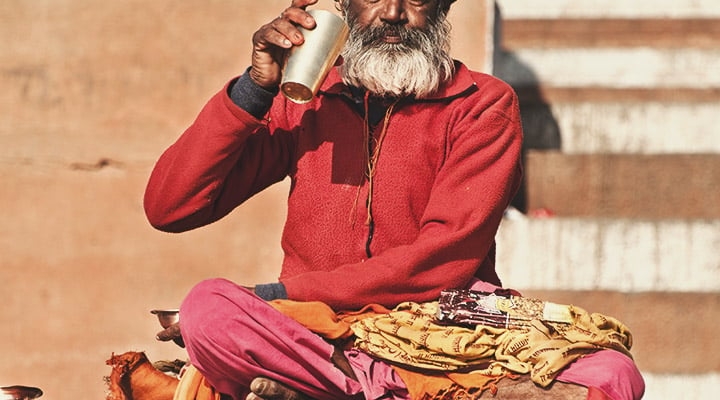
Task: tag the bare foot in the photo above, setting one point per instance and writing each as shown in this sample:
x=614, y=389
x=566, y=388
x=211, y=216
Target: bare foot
x=268, y=389
x=340, y=361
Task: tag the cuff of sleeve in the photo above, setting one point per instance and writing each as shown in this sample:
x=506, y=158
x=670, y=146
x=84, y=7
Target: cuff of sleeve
x=251, y=97
x=271, y=291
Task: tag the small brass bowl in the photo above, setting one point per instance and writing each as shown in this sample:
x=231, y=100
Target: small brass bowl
x=19, y=393
x=167, y=317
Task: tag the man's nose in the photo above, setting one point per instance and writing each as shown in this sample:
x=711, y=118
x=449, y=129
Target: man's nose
x=394, y=12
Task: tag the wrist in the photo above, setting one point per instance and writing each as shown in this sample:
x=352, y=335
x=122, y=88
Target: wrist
x=261, y=81
x=251, y=97
x=271, y=291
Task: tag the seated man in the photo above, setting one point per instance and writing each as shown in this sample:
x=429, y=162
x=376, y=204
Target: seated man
x=400, y=171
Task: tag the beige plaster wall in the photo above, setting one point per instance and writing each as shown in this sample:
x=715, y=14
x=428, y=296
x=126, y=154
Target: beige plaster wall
x=92, y=92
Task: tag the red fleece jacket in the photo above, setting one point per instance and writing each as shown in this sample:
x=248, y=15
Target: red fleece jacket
x=448, y=167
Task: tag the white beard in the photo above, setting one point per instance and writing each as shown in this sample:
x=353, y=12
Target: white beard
x=417, y=66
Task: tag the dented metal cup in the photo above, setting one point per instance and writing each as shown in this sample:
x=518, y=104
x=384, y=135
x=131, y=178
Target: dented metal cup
x=308, y=65
x=19, y=393
x=167, y=317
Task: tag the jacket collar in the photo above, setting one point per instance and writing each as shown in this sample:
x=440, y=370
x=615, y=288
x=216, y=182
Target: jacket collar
x=461, y=82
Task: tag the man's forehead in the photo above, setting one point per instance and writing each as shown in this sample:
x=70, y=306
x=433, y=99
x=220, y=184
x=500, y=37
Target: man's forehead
x=445, y=2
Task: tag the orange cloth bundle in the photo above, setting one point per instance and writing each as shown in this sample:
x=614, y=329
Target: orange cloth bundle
x=321, y=319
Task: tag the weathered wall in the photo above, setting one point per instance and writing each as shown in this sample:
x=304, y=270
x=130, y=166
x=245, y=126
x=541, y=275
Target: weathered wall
x=91, y=95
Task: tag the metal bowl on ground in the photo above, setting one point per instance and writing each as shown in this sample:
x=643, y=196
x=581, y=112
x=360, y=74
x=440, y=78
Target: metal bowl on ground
x=167, y=317
x=19, y=393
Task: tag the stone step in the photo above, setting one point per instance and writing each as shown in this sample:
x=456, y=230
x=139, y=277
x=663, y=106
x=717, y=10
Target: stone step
x=668, y=186
x=635, y=81
x=618, y=99
x=681, y=386
x=610, y=32
x=532, y=93
x=589, y=121
x=623, y=254
x=550, y=9
x=626, y=68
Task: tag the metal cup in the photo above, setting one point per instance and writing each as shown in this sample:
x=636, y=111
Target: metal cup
x=308, y=65
x=19, y=393
x=167, y=317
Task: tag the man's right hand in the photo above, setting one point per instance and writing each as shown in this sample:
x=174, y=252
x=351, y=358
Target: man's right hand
x=172, y=332
x=272, y=42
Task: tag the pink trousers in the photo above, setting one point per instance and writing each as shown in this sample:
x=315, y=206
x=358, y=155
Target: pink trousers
x=232, y=337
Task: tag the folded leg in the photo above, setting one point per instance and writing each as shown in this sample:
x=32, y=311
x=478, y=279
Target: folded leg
x=232, y=337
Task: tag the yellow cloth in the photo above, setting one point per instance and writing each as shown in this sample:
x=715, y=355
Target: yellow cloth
x=409, y=336
x=193, y=386
x=448, y=385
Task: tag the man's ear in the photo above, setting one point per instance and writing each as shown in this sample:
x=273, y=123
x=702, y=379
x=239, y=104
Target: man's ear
x=444, y=5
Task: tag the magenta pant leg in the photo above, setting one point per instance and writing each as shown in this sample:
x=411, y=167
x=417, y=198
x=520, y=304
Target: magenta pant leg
x=608, y=370
x=233, y=336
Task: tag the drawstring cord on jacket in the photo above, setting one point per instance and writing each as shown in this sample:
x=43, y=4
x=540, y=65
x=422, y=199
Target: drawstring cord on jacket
x=372, y=158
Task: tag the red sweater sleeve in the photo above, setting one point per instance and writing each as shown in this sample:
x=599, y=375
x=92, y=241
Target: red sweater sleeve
x=217, y=163
x=480, y=174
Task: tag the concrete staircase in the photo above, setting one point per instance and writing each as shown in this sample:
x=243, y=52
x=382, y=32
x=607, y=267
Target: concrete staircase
x=620, y=211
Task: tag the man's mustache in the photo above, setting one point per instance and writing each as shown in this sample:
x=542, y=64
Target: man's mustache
x=375, y=35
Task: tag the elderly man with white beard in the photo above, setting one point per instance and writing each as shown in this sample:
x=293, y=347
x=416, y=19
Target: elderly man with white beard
x=401, y=168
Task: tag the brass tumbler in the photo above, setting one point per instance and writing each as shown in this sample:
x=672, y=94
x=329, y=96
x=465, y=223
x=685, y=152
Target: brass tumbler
x=19, y=393
x=308, y=65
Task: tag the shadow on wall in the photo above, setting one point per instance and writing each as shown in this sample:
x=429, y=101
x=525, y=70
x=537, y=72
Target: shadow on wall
x=541, y=130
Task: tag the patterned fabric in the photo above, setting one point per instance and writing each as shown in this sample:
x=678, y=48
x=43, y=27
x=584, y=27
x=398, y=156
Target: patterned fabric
x=436, y=385
x=410, y=336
